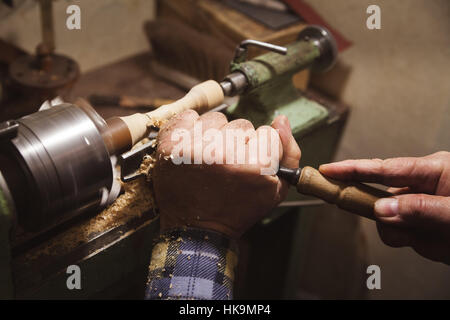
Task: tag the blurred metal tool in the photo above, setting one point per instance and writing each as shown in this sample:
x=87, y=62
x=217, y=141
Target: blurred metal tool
x=269, y=4
x=273, y=14
x=302, y=203
x=130, y=161
x=127, y=101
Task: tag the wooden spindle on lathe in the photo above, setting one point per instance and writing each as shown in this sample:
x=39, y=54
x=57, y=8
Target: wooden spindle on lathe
x=127, y=131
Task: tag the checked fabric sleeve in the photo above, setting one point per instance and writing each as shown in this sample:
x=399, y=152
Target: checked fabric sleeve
x=192, y=264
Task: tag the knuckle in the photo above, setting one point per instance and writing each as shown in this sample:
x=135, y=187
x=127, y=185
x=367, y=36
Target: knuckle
x=380, y=165
x=213, y=116
x=395, y=167
x=188, y=113
x=354, y=168
x=386, y=166
x=216, y=114
x=266, y=128
x=420, y=204
x=174, y=121
x=442, y=154
x=295, y=153
x=242, y=123
x=443, y=160
x=413, y=207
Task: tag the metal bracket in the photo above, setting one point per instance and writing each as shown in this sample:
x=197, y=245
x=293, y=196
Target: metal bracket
x=242, y=50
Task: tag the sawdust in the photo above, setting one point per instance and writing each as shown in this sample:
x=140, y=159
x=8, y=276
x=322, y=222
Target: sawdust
x=136, y=200
x=157, y=123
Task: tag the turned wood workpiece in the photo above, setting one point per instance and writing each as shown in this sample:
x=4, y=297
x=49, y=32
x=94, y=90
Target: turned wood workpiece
x=354, y=197
x=201, y=98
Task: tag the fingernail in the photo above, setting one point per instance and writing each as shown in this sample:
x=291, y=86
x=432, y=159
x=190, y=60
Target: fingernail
x=386, y=207
x=326, y=168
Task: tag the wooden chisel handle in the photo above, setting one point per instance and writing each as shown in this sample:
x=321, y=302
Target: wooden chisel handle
x=354, y=197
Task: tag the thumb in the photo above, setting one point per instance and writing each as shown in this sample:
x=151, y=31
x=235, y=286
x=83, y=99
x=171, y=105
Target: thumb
x=291, y=150
x=415, y=210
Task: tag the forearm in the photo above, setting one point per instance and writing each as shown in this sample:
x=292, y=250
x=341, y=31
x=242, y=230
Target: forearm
x=192, y=264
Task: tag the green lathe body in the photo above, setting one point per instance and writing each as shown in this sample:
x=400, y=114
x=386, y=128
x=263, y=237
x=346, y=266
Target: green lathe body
x=271, y=91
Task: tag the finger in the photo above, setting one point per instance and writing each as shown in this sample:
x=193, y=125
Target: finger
x=237, y=133
x=395, y=172
x=429, y=247
x=265, y=149
x=421, y=211
x=393, y=236
x=183, y=120
x=291, y=150
x=398, y=191
x=240, y=124
x=208, y=144
x=214, y=120
x=267, y=139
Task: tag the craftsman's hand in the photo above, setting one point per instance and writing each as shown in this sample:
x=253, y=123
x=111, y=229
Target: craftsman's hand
x=419, y=214
x=227, y=198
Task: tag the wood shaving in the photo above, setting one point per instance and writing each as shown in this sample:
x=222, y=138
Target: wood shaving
x=138, y=198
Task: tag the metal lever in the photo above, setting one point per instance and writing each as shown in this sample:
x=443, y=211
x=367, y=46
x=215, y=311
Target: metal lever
x=241, y=51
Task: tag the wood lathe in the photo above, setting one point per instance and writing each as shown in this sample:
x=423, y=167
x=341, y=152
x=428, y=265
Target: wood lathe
x=57, y=168
x=354, y=197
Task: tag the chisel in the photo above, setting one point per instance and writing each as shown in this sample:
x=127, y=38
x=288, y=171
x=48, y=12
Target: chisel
x=355, y=197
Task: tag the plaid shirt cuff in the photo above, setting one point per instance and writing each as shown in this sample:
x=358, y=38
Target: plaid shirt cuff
x=192, y=264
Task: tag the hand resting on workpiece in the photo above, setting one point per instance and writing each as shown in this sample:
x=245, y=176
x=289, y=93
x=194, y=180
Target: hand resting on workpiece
x=227, y=198
x=419, y=214
x=205, y=206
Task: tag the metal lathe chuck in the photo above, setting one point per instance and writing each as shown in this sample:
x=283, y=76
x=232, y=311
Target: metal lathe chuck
x=55, y=164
